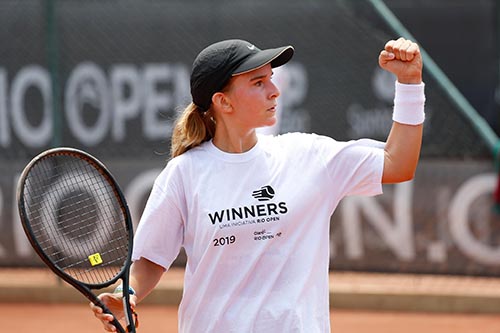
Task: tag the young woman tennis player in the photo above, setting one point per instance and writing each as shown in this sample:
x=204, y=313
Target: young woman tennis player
x=253, y=212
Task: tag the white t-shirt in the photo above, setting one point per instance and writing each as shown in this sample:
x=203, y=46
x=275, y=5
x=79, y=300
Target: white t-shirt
x=255, y=228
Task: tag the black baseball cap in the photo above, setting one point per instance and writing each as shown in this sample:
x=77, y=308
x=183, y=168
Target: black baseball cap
x=217, y=63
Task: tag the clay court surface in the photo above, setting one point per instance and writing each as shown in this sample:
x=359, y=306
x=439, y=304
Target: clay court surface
x=23, y=305
x=75, y=318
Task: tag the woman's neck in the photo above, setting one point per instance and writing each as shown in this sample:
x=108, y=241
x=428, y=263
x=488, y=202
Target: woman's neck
x=235, y=142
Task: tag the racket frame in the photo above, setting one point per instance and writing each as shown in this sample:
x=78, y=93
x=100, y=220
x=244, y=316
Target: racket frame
x=82, y=287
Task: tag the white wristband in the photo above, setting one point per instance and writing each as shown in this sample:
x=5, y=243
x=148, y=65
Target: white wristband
x=409, y=101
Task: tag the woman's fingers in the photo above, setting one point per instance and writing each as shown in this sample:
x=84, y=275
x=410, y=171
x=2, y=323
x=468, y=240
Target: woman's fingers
x=403, y=49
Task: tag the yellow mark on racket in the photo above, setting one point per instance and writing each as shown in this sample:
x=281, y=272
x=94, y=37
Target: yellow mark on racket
x=95, y=259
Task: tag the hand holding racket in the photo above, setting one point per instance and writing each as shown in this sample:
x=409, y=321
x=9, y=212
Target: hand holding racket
x=77, y=220
x=114, y=303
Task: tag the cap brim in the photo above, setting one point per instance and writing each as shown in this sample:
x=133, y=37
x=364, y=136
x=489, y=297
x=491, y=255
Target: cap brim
x=276, y=57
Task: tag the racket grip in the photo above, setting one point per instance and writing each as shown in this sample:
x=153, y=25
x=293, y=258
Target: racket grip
x=132, y=321
x=132, y=326
x=118, y=326
x=115, y=322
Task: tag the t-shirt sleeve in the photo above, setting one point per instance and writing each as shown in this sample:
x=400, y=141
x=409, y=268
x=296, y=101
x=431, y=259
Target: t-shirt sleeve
x=160, y=232
x=354, y=167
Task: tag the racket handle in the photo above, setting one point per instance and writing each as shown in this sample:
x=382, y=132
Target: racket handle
x=130, y=314
x=115, y=322
x=118, y=326
x=134, y=324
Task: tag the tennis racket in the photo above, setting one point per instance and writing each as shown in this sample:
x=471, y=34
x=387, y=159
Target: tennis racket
x=77, y=220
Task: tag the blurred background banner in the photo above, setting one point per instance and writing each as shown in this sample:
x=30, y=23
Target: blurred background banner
x=108, y=77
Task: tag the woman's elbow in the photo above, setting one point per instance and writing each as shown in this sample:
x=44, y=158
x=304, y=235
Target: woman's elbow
x=398, y=173
x=394, y=178
x=406, y=176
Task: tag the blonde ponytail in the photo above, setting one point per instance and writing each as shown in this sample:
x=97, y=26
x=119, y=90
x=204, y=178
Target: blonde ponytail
x=192, y=127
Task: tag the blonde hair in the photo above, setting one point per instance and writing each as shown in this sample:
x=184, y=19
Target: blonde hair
x=192, y=127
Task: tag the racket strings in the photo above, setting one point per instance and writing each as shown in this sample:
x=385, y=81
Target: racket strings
x=77, y=219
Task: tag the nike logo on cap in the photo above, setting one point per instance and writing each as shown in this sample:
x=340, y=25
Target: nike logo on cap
x=251, y=47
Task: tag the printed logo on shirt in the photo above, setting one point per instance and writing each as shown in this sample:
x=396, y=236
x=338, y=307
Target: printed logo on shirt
x=262, y=235
x=264, y=193
x=252, y=214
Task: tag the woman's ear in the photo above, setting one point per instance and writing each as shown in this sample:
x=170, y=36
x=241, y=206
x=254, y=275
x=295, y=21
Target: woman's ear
x=222, y=102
